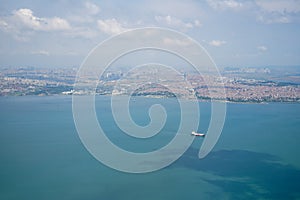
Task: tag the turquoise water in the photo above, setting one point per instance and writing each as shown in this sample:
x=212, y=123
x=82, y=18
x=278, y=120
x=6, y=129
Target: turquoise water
x=41, y=156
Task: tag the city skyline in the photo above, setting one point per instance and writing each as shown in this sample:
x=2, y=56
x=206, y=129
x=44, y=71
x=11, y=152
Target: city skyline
x=240, y=84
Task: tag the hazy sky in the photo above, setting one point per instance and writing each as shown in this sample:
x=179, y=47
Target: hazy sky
x=235, y=33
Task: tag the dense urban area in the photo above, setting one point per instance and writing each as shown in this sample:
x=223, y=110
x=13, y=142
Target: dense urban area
x=239, y=84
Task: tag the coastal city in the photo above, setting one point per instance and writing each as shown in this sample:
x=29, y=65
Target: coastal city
x=239, y=84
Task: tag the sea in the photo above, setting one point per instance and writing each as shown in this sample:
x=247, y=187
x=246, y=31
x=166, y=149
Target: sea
x=43, y=158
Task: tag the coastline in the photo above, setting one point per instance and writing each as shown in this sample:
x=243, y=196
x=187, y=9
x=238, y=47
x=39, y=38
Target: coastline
x=158, y=97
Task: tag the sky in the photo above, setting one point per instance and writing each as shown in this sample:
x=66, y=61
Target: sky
x=61, y=33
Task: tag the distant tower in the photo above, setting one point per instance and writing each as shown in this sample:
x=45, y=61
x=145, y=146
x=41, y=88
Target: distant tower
x=185, y=76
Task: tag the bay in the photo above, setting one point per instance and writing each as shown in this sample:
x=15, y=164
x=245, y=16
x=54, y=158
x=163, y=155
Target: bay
x=42, y=157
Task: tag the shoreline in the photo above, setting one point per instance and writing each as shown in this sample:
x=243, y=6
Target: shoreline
x=159, y=97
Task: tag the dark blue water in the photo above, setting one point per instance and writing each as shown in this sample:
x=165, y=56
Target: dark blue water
x=41, y=155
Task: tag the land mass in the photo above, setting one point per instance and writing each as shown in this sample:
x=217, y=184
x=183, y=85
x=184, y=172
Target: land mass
x=239, y=84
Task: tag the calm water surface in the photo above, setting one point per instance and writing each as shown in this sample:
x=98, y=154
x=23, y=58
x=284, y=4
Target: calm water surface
x=41, y=156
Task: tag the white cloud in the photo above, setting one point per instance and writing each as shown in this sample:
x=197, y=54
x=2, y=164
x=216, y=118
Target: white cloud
x=188, y=9
x=217, y=43
x=174, y=22
x=225, y=4
x=22, y=24
x=41, y=52
x=4, y=25
x=197, y=23
x=279, y=11
x=177, y=42
x=25, y=18
x=85, y=14
x=8, y=25
x=262, y=48
x=281, y=6
x=92, y=8
x=274, y=18
x=83, y=32
x=110, y=26
x=269, y=12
